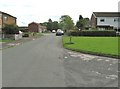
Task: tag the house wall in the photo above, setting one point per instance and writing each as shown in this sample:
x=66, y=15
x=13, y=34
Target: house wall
x=7, y=19
x=40, y=29
x=108, y=21
x=0, y=22
x=33, y=27
x=93, y=22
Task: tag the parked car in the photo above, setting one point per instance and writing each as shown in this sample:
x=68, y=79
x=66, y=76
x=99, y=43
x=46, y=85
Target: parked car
x=25, y=35
x=62, y=32
x=58, y=33
x=53, y=31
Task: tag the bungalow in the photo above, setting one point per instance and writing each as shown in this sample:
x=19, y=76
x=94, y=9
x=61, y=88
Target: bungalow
x=105, y=20
x=36, y=27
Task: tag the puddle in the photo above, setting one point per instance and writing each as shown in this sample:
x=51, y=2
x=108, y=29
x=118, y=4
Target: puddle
x=99, y=59
x=74, y=55
x=111, y=77
x=65, y=57
x=110, y=64
x=115, y=62
x=96, y=72
x=81, y=56
x=13, y=44
x=107, y=60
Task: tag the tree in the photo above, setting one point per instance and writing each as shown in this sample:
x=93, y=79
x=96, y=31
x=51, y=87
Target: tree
x=10, y=29
x=80, y=17
x=66, y=22
x=82, y=22
x=50, y=25
x=55, y=25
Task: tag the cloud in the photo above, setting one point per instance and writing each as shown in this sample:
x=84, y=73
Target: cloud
x=41, y=10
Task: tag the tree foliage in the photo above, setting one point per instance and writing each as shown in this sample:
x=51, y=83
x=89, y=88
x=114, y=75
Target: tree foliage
x=80, y=17
x=82, y=22
x=55, y=25
x=10, y=29
x=66, y=22
x=51, y=25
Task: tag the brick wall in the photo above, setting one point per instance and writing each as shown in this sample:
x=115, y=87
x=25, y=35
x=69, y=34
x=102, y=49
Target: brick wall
x=8, y=19
x=33, y=27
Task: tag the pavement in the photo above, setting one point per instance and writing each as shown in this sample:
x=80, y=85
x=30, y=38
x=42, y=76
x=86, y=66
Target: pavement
x=4, y=45
x=43, y=62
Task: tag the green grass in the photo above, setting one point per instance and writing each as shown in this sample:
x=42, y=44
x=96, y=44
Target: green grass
x=98, y=45
x=6, y=40
x=39, y=34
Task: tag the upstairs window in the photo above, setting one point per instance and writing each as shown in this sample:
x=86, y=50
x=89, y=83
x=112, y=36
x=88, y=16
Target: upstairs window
x=116, y=19
x=5, y=18
x=102, y=20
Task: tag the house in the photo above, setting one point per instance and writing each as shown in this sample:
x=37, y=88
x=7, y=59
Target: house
x=105, y=20
x=6, y=19
x=36, y=27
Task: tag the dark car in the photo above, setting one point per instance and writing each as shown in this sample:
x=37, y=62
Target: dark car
x=58, y=33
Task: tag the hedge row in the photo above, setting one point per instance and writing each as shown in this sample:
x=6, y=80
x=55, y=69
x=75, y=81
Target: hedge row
x=92, y=33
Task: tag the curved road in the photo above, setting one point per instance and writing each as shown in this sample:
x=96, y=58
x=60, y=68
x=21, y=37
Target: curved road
x=44, y=63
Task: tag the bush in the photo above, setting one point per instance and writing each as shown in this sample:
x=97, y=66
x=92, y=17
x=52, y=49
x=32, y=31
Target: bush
x=11, y=29
x=73, y=33
x=93, y=33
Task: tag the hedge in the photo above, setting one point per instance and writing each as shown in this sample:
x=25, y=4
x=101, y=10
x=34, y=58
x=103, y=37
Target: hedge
x=93, y=33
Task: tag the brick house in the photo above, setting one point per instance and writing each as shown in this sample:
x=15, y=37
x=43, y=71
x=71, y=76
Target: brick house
x=105, y=20
x=6, y=19
x=36, y=27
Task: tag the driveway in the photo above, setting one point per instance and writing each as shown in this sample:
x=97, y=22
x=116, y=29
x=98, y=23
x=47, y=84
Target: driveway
x=44, y=63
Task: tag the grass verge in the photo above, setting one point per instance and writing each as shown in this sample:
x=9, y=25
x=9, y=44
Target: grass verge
x=104, y=46
x=6, y=40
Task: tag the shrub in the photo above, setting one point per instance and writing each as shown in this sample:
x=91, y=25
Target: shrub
x=73, y=33
x=93, y=33
x=11, y=29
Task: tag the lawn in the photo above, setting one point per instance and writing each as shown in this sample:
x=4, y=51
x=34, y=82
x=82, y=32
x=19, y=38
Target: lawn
x=96, y=45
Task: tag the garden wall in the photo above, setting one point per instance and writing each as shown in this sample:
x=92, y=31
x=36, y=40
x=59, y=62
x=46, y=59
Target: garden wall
x=13, y=36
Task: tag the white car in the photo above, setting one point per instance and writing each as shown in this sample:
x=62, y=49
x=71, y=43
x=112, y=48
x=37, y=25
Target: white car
x=53, y=31
x=60, y=31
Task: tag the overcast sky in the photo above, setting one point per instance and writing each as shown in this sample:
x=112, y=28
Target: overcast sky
x=40, y=11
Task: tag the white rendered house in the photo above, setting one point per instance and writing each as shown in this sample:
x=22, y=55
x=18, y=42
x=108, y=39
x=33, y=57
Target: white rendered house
x=106, y=20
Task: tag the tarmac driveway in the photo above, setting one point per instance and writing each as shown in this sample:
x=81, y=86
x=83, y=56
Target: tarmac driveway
x=44, y=63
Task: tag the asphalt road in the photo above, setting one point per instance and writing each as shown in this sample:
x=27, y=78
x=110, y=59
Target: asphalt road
x=44, y=63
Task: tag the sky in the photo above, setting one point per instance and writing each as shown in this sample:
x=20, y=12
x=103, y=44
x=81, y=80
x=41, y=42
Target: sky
x=40, y=11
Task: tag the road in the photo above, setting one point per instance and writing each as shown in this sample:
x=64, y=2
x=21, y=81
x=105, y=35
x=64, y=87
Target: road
x=44, y=63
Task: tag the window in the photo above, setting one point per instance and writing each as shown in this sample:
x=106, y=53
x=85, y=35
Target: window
x=117, y=20
x=102, y=20
x=5, y=18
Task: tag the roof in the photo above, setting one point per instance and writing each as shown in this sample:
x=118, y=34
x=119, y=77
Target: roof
x=107, y=14
x=37, y=24
x=33, y=23
x=7, y=14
